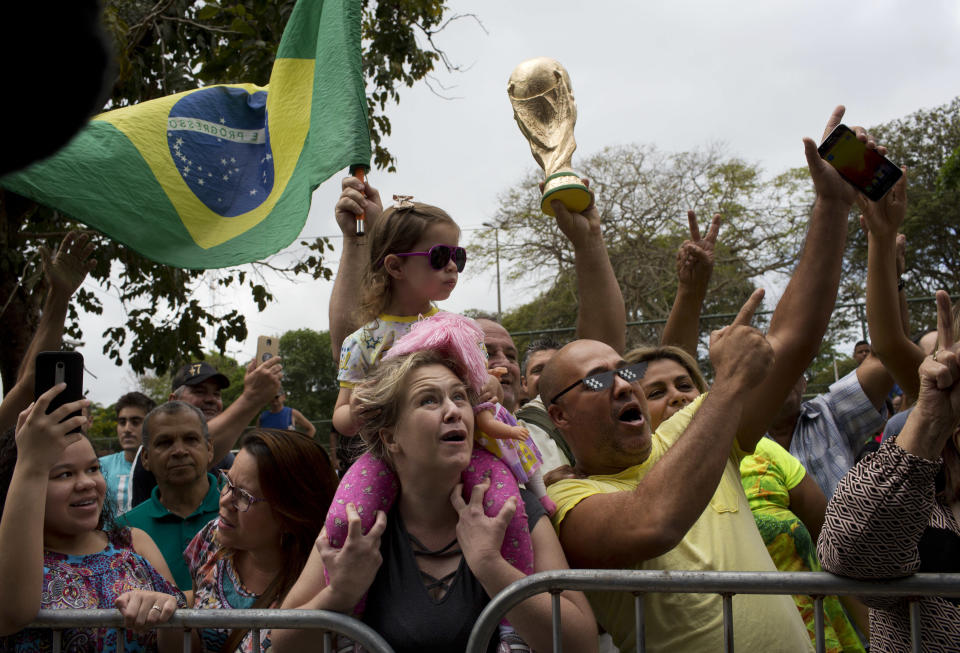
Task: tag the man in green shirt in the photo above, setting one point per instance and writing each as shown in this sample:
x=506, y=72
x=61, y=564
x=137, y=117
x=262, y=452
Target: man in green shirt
x=177, y=449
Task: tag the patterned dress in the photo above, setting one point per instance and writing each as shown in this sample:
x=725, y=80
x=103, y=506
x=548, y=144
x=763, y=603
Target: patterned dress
x=768, y=476
x=887, y=521
x=93, y=581
x=217, y=586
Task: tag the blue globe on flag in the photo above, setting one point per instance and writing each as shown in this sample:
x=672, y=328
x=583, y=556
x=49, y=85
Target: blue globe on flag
x=219, y=141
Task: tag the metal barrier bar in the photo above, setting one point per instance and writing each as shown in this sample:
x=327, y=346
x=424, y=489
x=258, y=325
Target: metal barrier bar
x=640, y=623
x=717, y=582
x=727, y=622
x=555, y=609
x=253, y=619
x=818, y=624
x=915, y=626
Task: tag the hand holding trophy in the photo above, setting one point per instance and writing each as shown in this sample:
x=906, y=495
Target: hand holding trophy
x=544, y=108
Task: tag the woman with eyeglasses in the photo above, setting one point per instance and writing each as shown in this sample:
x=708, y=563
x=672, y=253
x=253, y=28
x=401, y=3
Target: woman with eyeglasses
x=272, y=504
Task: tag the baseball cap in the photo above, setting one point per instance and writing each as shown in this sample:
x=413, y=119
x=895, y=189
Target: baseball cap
x=194, y=373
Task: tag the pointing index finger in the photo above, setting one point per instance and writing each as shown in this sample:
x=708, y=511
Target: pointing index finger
x=745, y=316
x=944, y=320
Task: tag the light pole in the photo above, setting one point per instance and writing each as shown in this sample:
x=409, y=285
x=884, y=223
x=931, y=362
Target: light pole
x=496, y=240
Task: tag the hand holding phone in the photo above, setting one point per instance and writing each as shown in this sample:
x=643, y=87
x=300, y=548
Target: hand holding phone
x=53, y=368
x=865, y=169
x=43, y=433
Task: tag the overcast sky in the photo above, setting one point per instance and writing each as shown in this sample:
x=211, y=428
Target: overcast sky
x=754, y=75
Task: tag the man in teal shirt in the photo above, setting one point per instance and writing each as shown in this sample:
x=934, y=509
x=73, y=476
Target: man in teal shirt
x=116, y=468
x=177, y=449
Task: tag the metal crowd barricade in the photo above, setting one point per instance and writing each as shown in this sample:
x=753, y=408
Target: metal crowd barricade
x=329, y=622
x=726, y=584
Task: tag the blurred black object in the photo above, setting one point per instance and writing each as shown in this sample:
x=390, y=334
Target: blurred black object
x=57, y=71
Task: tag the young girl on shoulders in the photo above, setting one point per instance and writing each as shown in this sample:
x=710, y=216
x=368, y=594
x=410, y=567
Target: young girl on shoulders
x=415, y=260
x=59, y=548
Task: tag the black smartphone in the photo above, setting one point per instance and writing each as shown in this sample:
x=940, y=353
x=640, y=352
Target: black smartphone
x=867, y=170
x=53, y=367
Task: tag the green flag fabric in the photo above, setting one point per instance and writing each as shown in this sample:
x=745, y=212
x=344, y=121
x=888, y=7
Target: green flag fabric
x=220, y=175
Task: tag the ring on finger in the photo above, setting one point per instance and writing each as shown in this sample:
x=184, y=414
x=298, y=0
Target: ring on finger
x=156, y=606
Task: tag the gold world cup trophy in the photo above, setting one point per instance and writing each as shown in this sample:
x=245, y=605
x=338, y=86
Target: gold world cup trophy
x=544, y=108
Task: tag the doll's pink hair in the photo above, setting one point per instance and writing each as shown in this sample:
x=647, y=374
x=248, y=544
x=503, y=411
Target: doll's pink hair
x=454, y=336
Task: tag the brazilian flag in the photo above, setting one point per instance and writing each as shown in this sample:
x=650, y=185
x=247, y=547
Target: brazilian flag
x=220, y=175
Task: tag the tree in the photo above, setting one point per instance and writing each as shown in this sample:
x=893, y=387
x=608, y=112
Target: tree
x=103, y=428
x=165, y=47
x=643, y=196
x=309, y=375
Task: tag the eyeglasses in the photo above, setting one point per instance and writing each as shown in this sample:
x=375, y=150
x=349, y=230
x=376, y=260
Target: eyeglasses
x=440, y=255
x=242, y=500
x=603, y=380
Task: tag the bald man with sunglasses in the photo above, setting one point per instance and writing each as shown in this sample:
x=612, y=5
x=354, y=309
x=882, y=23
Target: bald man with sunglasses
x=662, y=501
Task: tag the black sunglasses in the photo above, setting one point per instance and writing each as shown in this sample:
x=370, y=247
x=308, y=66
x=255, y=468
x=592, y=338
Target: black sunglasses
x=603, y=380
x=440, y=255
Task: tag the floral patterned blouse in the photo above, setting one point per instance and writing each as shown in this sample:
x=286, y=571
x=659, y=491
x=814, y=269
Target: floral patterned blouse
x=217, y=586
x=93, y=581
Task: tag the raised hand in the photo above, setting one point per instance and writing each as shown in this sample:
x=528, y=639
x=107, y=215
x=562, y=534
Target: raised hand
x=42, y=438
x=695, y=256
x=937, y=413
x=826, y=180
x=67, y=270
x=740, y=354
x=480, y=537
x=262, y=381
x=579, y=228
x=357, y=198
x=884, y=217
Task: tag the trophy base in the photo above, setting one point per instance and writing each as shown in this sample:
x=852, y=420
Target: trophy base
x=566, y=187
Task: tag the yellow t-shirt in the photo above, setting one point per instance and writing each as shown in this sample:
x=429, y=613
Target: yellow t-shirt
x=724, y=538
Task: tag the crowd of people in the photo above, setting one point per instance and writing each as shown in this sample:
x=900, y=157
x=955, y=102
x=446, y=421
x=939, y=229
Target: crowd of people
x=481, y=465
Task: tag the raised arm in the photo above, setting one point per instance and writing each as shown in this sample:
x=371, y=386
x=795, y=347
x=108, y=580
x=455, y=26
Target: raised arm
x=40, y=440
x=303, y=425
x=899, y=354
x=898, y=480
x=601, y=314
x=646, y=522
x=64, y=272
x=694, y=267
x=801, y=316
x=356, y=198
x=260, y=384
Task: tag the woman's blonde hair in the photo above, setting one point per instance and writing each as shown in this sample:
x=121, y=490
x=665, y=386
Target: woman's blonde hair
x=397, y=231
x=380, y=396
x=677, y=355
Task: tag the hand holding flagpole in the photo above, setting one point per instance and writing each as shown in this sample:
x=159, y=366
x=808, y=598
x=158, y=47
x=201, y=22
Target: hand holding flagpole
x=360, y=172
